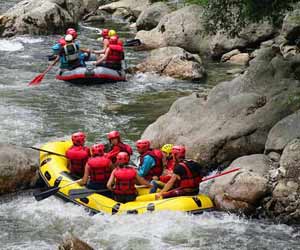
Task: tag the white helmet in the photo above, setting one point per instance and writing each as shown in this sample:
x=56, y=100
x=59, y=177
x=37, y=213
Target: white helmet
x=68, y=38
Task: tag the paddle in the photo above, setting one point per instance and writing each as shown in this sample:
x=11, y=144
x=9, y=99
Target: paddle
x=132, y=42
x=49, y=152
x=38, y=79
x=52, y=191
x=82, y=193
x=220, y=174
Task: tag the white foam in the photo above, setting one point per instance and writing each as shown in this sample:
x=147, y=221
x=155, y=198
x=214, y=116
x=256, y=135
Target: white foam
x=10, y=45
x=29, y=40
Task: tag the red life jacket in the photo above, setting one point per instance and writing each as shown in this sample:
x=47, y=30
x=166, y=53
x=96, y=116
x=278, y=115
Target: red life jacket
x=115, y=54
x=99, y=169
x=170, y=167
x=190, y=179
x=125, y=180
x=170, y=164
x=125, y=148
x=158, y=168
x=78, y=156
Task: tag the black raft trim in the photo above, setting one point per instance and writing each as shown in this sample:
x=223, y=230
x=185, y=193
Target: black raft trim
x=48, y=175
x=151, y=207
x=58, y=181
x=84, y=200
x=197, y=201
x=45, y=161
x=115, y=208
x=132, y=211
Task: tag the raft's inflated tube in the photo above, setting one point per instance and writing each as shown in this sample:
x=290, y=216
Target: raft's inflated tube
x=53, y=169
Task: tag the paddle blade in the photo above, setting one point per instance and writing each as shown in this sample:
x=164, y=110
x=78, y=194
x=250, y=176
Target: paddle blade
x=37, y=80
x=46, y=194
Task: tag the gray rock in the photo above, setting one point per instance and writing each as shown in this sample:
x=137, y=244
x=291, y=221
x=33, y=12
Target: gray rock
x=283, y=132
x=236, y=117
x=132, y=6
x=291, y=26
x=43, y=17
x=174, y=62
x=151, y=16
x=182, y=28
x=73, y=243
x=252, y=34
x=285, y=202
x=241, y=191
x=229, y=54
x=274, y=156
x=18, y=168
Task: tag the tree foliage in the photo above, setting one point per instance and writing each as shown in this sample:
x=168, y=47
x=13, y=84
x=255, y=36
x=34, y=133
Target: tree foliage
x=233, y=15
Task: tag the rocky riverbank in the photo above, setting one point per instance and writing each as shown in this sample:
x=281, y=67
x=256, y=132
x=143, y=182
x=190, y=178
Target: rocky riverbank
x=250, y=122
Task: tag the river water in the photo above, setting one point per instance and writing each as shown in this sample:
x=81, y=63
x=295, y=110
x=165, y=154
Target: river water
x=53, y=110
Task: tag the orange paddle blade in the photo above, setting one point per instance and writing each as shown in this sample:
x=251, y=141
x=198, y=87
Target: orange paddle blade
x=37, y=80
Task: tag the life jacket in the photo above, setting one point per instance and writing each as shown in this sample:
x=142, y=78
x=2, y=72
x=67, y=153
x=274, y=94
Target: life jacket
x=170, y=167
x=71, y=52
x=125, y=148
x=115, y=54
x=158, y=168
x=190, y=179
x=78, y=156
x=120, y=147
x=125, y=180
x=62, y=41
x=170, y=164
x=99, y=169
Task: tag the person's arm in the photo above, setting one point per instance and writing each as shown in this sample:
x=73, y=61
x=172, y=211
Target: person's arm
x=110, y=181
x=85, y=176
x=140, y=180
x=168, y=186
x=148, y=163
x=98, y=51
x=113, y=153
x=103, y=58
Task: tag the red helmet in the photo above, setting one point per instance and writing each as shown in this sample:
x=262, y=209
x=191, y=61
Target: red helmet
x=105, y=32
x=113, y=40
x=97, y=149
x=122, y=158
x=143, y=145
x=113, y=134
x=78, y=138
x=72, y=32
x=62, y=41
x=178, y=151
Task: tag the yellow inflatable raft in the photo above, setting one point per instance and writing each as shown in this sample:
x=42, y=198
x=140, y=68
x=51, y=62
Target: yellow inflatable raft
x=54, y=171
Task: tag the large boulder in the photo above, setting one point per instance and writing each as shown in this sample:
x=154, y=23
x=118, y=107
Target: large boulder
x=131, y=7
x=242, y=191
x=285, y=202
x=174, y=62
x=291, y=26
x=43, y=17
x=236, y=117
x=151, y=16
x=252, y=35
x=283, y=132
x=182, y=28
x=18, y=168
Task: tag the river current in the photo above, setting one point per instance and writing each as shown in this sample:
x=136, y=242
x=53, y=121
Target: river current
x=54, y=110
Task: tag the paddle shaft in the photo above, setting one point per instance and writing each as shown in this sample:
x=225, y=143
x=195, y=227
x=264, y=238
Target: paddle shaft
x=52, y=191
x=85, y=193
x=220, y=174
x=49, y=152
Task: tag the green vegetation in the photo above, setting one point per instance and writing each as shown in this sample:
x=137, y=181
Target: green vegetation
x=233, y=15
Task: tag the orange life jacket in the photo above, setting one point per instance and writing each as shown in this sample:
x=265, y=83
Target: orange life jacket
x=99, y=169
x=78, y=156
x=125, y=180
x=115, y=54
x=190, y=179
